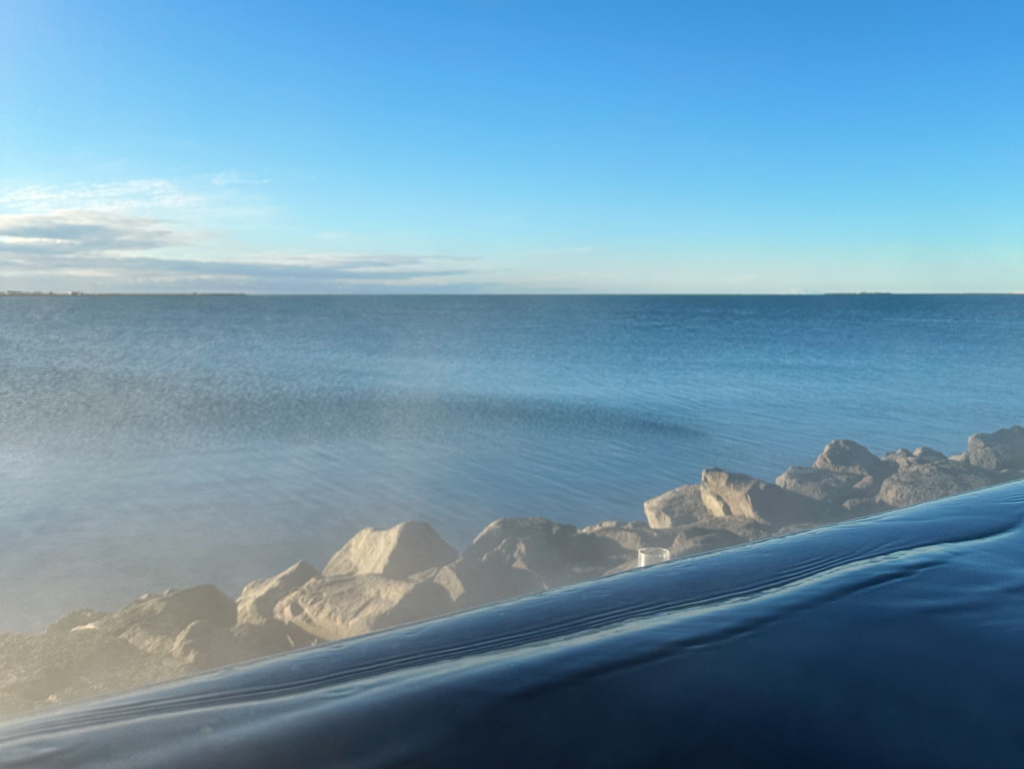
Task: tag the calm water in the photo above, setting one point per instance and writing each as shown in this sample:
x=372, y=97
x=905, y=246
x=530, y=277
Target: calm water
x=151, y=442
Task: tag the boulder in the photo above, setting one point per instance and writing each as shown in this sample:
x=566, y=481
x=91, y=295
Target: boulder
x=472, y=583
x=331, y=608
x=677, y=507
x=846, y=456
x=869, y=485
x=700, y=539
x=82, y=618
x=207, y=644
x=66, y=665
x=1001, y=450
x=270, y=637
x=557, y=553
x=154, y=621
x=925, y=455
x=739, y=496
x=858, y=507
x=828, y=486
x=258, y=599
x=632, y=535
x=398, y=552
x=918, y=482
x=900, y=458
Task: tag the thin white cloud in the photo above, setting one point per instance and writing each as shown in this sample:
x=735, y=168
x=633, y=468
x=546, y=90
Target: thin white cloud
x=115, y=251
x=112, y=196
x=233, y=178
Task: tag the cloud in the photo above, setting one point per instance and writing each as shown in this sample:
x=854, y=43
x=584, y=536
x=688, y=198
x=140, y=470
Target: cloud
x=84, y=233
x=114, y=251
x=130, y=236
x=111, y=196
x=233, y=178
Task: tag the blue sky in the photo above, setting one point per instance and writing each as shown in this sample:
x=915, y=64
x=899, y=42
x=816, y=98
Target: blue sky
x=723, y=147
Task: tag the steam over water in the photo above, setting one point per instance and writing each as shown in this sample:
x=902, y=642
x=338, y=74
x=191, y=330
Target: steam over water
x=155, y=442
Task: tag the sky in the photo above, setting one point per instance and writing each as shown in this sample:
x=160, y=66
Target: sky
x=505, y=147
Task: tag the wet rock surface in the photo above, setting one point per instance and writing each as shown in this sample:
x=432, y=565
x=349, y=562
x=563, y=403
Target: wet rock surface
x=383, y=578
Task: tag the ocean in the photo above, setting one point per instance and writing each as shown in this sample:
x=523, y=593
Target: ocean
x=149, y=442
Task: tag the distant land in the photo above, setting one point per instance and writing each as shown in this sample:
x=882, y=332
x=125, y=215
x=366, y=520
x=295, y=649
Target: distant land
x=242, y=293
x=87, y=293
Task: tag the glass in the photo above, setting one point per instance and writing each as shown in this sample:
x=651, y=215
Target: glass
x=648, y=556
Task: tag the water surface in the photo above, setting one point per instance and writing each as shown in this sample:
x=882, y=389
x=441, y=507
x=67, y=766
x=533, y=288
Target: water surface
x=151, y=442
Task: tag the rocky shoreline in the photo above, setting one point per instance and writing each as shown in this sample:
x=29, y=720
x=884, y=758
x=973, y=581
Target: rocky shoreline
x=383, y=578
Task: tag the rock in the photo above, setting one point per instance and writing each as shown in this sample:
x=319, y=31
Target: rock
x=475, y=583
x=867, y=486
x=331, y=608
x=207, y=644
x=700, y=539
x=270, y=637
x=153, y=622
x=918, y=482
x=736, y=495
x=59, y=667
x=676, y=507
x=923, y=454
x=516, y=556
x=632, y=535
x=828, y=486
x=557, y=553
x=861, y=506
x=258, y=599
x=1001, y=450
x=961, y=457
x=397, y=552
x=82, y=618
x=901, y=457
x=846, y=456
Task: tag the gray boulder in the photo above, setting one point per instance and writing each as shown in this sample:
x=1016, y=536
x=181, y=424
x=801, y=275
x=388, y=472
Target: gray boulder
x=153, y=622
x=65, y=665
x=828, y=486
x=846, y=456
x=677, y=507
x=632, y=535
x=207, y=644
x=397, y=552
x=861, y=506
x=739, y=496
x=557, y=553
x=331, y=608
x=82, y=618
x=1001, y=450
x=695, y=539
x=923, y=481
x=900, y=458
x=472, y=583
x=270, y=637
x=258, y=599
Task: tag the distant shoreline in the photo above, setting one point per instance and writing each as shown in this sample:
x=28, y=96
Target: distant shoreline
x=482, y=295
